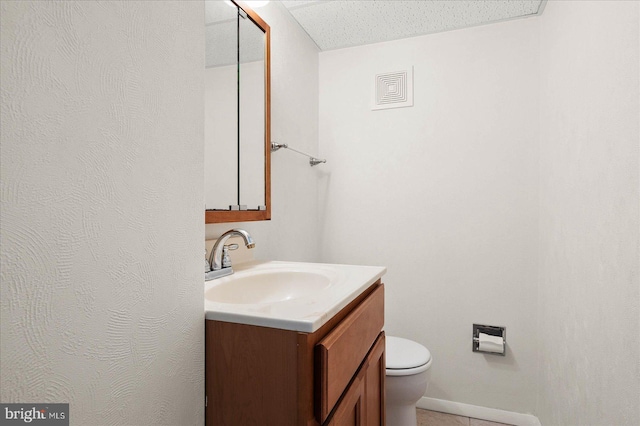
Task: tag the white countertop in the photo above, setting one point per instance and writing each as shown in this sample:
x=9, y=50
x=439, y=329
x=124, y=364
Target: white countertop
x=306, y=313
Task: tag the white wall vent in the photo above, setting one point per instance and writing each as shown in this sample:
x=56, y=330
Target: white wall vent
x=393, y=89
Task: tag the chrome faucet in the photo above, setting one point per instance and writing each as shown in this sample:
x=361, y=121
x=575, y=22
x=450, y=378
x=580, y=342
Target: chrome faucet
x=219, y=252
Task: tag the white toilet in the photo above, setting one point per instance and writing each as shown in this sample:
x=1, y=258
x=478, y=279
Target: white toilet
x=407, y=378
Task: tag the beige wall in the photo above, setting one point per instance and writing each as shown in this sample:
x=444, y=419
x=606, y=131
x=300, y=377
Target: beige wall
x=444, y=194
x=508, y=195
x=589, y=290
x=102, y=224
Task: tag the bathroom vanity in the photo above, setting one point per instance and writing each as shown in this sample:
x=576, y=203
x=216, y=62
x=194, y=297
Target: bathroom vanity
x=295, y=344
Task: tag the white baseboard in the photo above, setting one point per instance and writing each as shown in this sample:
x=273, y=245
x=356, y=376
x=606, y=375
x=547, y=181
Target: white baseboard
x=477, y=412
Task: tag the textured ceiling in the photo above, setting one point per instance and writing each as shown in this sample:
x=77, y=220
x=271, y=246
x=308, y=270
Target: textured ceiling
x=334, y=24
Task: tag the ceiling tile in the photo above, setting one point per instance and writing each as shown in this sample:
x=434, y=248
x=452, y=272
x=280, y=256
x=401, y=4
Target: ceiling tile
x=334, y=24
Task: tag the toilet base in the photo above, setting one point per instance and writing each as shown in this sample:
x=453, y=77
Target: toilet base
x=401, y=415
x=402, y=394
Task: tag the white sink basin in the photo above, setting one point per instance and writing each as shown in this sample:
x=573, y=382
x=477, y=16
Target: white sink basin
x=268, y=286
x=286, y=295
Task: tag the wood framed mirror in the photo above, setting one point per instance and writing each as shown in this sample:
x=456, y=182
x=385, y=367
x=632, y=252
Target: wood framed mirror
x=237, y=114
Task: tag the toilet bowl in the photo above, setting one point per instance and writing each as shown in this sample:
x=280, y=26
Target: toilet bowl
x=407, y=377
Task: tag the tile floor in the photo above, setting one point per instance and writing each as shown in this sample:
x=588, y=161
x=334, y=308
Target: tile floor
x=435, y=418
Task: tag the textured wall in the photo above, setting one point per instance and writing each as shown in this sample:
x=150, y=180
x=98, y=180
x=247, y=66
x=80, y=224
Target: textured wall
x=292, y=232
x=102, y=223
x=445, y=195
x=589, y=215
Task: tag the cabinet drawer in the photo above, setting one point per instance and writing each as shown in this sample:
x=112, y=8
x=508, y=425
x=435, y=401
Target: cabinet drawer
x=341, y=352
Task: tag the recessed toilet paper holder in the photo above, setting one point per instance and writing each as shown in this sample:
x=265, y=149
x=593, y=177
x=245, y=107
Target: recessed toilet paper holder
x=493, y=342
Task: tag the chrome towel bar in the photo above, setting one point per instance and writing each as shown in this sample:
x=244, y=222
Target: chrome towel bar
x=313, y=161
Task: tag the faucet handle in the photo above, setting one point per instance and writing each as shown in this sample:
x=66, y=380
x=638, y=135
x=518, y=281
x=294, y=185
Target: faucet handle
x=207, y=266
x=226, y=260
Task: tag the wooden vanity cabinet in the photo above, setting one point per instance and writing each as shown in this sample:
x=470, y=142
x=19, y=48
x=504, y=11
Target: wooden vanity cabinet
x=266, y=376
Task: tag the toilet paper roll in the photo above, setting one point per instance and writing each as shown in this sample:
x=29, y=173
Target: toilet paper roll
x=489, y=343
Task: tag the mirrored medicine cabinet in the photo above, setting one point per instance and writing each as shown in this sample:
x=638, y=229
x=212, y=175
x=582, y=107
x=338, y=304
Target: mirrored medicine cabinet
x=237, y=114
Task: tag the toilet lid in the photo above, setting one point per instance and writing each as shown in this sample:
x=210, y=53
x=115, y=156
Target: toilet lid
x=404, y=353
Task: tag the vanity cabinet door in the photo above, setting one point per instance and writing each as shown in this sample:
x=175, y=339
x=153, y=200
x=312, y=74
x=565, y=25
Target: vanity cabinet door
x=342, y=351
x=374, y=383
x=351, y=410
x=363, y=402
